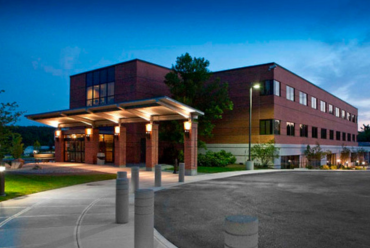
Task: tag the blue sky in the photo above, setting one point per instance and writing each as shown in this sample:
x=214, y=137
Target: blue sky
x=42, y=43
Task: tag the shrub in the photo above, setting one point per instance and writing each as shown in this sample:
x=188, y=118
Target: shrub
x=360, y=168
x=325, y=167
x=310, y=167
x=333, y=167
x=216, y=159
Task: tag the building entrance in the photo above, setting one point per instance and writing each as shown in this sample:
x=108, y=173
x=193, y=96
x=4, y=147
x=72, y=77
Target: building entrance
x=74, y=148
x=106, y=145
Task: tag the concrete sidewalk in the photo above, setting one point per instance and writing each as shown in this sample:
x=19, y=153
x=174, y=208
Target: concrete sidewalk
x=81, y=215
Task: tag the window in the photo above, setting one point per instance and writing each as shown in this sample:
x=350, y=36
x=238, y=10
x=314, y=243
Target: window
x=330, y=110
x=323, y=133
x=344, y=136
x=269, y=127
x=303, y=98
x=331, y=134
x=303, y=130
x=353, y=137
x=313, y=102
x=266, y=88
x=337, y=112
x=353, y=118
x=290, y=126
x=323, y=106
x=290, y=93
x=100, y=87
x=343, y=114
x=348, y=136
x=337, y=135
x=314, y=132
x=276, y=88
x=348, y=116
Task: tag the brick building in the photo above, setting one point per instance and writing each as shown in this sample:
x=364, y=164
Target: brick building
x=287, y=108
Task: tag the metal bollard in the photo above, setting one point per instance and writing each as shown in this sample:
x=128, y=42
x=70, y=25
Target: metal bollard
x=144, y=218
x=158, y=176
x=241, y=231
x=182, y=172
x=121, y=174
x=135, y=178
x=122, y=200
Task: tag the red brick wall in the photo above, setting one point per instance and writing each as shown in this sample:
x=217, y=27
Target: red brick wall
x=77, y=95
x=286, y=110
x=234, y=125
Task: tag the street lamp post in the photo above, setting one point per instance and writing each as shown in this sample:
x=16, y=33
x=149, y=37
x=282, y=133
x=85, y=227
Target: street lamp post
x=250, y=165
x=2, y=181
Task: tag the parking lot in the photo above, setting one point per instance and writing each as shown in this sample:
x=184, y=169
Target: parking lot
x=295, y=209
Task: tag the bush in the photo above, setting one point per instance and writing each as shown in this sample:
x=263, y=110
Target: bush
x=333, y=167
x=360, y=168
x=325, y=167
x=216, y=159
x=310, y=167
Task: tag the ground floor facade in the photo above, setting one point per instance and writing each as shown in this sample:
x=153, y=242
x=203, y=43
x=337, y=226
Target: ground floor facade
x=292, y=155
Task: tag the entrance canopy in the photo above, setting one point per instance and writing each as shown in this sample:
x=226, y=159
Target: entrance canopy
x=154, y=109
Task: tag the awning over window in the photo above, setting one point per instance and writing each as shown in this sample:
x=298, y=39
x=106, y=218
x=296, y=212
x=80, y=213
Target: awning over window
x=154, y=109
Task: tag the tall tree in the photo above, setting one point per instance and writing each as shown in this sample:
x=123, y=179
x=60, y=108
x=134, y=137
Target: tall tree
x=8, y=117
x=190, y=83
x=364, y=135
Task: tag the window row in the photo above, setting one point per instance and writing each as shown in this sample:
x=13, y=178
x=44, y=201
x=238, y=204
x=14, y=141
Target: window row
x=101, y=76
x=271, y=127
x=100, y=87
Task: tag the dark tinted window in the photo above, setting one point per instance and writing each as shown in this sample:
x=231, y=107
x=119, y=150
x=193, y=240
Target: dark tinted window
x=323, y=133
x=103, y=76
x=331, y=134
x=303, y=130
x=266, y=88
x=89, y=79
x=290, y=128
x=111, y=74
x=337, y=135
x=344, y=136
x=314, y=132
x=96, y=77
x=349, y=137
x=268, y=127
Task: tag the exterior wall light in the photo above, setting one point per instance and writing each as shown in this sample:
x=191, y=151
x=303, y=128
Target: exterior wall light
x=2, y=180
x=74, y=136
x=117, y=130
x=148, y=128
x=187, y=127
x=256, y=86
x=88, y=132
x=363, y=163
x=57, y=134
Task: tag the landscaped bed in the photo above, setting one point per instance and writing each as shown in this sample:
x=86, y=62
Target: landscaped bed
x=24, y=184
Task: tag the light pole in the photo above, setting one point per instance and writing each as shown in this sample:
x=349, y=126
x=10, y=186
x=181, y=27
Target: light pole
x=2, y=181
x=250, y=165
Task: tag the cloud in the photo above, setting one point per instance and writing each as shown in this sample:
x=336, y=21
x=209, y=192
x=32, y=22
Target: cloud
x=69, y=57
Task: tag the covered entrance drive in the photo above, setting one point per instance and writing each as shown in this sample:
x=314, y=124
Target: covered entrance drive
x=86, y=122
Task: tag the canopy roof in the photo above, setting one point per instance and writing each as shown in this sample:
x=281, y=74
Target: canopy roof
x=146, y=110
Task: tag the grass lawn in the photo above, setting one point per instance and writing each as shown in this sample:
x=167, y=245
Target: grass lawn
x=19, y=185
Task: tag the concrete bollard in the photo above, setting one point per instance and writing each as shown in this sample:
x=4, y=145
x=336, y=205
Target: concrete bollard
x=144, y=218
x=135, y=178
x=158, y=176
x=241, y=231
x=121, y=174
x=182, y=172
x=122, y=200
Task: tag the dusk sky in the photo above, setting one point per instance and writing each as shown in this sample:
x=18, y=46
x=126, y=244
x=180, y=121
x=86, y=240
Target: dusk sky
x=42, y=43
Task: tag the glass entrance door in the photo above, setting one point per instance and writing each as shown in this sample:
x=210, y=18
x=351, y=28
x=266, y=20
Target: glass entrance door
x=106, y=145
x=74, y=150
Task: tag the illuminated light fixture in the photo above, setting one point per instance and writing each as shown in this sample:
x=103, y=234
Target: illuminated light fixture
x=58, y=134
x=117, y=130
x=338, y=160
x=256, y=86
x=2, y=168
x=363, y=162
x=148, y=128
x=187, y=127
x=88, y=132
x=74, y=136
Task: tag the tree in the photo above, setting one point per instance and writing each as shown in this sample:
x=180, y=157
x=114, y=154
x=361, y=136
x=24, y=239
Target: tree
x=16, y=148
x=8, y=117
x=36, y=146
x=265, y=152
x=364, y=135
x=344, y=154
x=314, y=154
x=190, y=82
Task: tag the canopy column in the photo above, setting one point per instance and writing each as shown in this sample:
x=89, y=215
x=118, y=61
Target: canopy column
x=120, y=147
x=191, y=149
x=59, y=146
x=152, y=147
x=92, y=147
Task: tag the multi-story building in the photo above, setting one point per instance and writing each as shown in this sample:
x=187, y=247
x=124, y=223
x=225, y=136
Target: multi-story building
x=287, y=108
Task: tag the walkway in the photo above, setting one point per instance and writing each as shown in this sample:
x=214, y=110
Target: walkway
x=82, y=215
